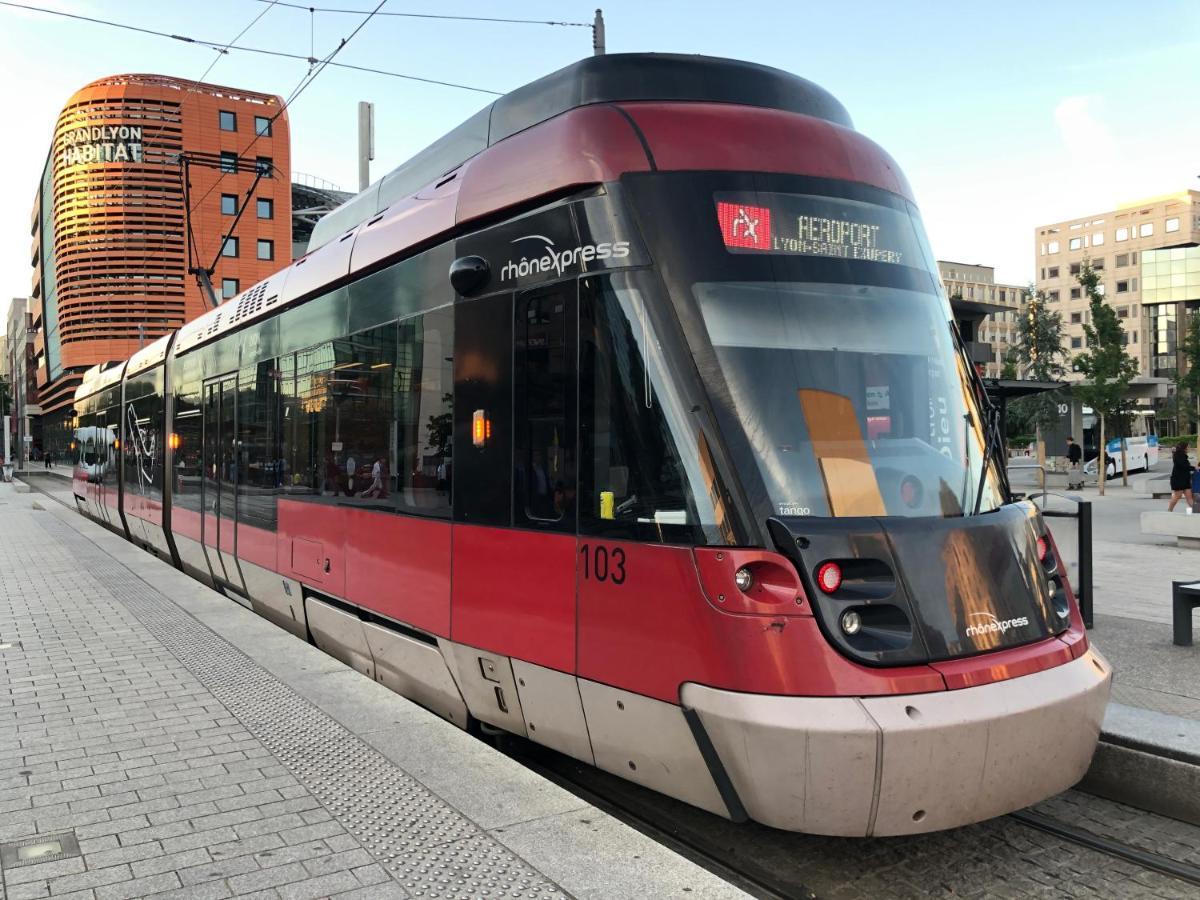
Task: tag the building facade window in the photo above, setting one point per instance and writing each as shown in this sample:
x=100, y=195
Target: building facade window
x=229, y=287
x=1076, y=318
x=1122, y=260
x=266, y=166
x=228, y=162
x=228, y=120
x=1098, y=263
x=1076, y=268
x=1122, y=234
x=1146, y=229
x=1052, y=296
x=1052, y=247
x=1076, y=293
x=1076, y=343
x=262, y=126
x=1052, y=272
x=266, y=249
x=1172, y=225
x=229, y=204
x=266, y=208
x=230, y=247
x=1076, y=243
x=1098, y=239
x=1122, y=287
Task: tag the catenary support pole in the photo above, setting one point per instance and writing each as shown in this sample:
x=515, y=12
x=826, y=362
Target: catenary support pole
x=598, y=34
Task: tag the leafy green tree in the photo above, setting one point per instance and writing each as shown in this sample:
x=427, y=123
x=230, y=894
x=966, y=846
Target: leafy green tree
x=1008, y=368
x=1105, y=364
x=1040, y=352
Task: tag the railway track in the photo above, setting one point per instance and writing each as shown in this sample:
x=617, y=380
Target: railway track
x=770, y=864
x=1118, y=849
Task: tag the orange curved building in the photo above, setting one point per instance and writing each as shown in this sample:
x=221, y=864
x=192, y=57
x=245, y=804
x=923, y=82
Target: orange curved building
x=110, y=239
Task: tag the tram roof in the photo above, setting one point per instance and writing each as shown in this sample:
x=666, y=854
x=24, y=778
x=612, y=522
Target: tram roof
x=619, y=77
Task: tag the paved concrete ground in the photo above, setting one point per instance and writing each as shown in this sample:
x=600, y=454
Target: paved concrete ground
x=195, y=750
x=1132, y=581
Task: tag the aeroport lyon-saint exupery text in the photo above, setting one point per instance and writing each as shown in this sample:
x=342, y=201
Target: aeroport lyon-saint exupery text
x=818, y=236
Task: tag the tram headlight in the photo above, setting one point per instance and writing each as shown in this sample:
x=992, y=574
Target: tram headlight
x=743, y=579
x=851, y=622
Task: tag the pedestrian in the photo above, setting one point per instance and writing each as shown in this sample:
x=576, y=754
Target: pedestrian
x=1074, y=457
x=1181, y=476
x=48, y=458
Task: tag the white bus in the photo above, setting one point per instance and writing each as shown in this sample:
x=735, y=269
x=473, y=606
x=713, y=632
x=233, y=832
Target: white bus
x=1141, y=447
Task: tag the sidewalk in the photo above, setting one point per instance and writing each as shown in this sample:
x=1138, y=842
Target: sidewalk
x=196, y=750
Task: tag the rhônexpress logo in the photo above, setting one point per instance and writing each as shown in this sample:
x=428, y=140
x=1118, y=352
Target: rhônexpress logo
x=992, y=625
x=558, y=261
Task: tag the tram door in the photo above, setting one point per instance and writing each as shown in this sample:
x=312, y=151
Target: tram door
x=222, y=469
x=513, y=587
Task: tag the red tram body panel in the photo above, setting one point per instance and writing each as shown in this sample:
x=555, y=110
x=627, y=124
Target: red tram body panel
x=629, y=417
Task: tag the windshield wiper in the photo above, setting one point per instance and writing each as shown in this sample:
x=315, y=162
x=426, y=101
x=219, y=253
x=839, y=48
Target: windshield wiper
x=990, y=417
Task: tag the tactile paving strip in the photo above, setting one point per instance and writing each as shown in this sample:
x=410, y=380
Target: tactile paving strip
x=429, y=847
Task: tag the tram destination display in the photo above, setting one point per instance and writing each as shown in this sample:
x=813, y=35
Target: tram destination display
x=808, y=225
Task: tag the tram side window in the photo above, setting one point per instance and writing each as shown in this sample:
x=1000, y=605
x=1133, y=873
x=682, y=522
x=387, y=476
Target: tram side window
x=109, y=422
x=186, y=438
x=339, y=418
x=85, y=443
x=260, y=469
x=424, y=413
x=633, y=480
x=544, y=407
x=143, y=450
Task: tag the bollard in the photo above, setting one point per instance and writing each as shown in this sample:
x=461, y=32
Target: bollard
x=1085, y=562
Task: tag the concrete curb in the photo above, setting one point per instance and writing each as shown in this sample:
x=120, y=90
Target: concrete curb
x=1148, y=760
x=1148, y=781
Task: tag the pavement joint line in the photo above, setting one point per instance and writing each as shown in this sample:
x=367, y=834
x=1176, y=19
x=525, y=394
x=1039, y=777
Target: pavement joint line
x=422, y=840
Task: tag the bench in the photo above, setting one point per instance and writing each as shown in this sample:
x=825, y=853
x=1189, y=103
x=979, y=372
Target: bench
x=1185, y=597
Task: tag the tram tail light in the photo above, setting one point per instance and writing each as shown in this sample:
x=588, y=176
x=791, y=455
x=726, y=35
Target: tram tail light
x=829, y=577
x=1042, y=549
x=481, y=428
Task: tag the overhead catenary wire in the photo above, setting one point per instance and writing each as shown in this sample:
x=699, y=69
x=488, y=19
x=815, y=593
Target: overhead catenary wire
x=413, y=15
x=300, y=88
x=217, y=45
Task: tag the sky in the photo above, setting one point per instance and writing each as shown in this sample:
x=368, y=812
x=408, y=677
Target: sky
x=1003, y=116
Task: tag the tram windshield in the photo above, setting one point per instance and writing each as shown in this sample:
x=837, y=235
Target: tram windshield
x=850, y=393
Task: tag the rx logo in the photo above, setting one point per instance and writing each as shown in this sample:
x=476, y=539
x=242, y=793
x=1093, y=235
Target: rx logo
x=745, y=227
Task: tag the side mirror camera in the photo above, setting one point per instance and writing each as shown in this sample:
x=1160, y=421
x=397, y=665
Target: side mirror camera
x=469, y=274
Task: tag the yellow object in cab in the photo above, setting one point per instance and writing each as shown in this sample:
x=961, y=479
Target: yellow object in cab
x=607, y=503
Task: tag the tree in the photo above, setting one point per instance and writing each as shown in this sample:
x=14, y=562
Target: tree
x=1008, y=368
x=1187, y=385
x=1041, y=354
x=1105, y=364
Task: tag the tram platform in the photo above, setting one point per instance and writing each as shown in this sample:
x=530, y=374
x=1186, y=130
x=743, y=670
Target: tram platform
x=157, y=739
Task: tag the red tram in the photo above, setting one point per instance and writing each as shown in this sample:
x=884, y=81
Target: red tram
x=629, y=417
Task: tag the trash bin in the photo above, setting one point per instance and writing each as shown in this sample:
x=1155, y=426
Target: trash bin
x=7, y=472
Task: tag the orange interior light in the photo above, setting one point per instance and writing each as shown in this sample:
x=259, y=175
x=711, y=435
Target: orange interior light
x=173, y=441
